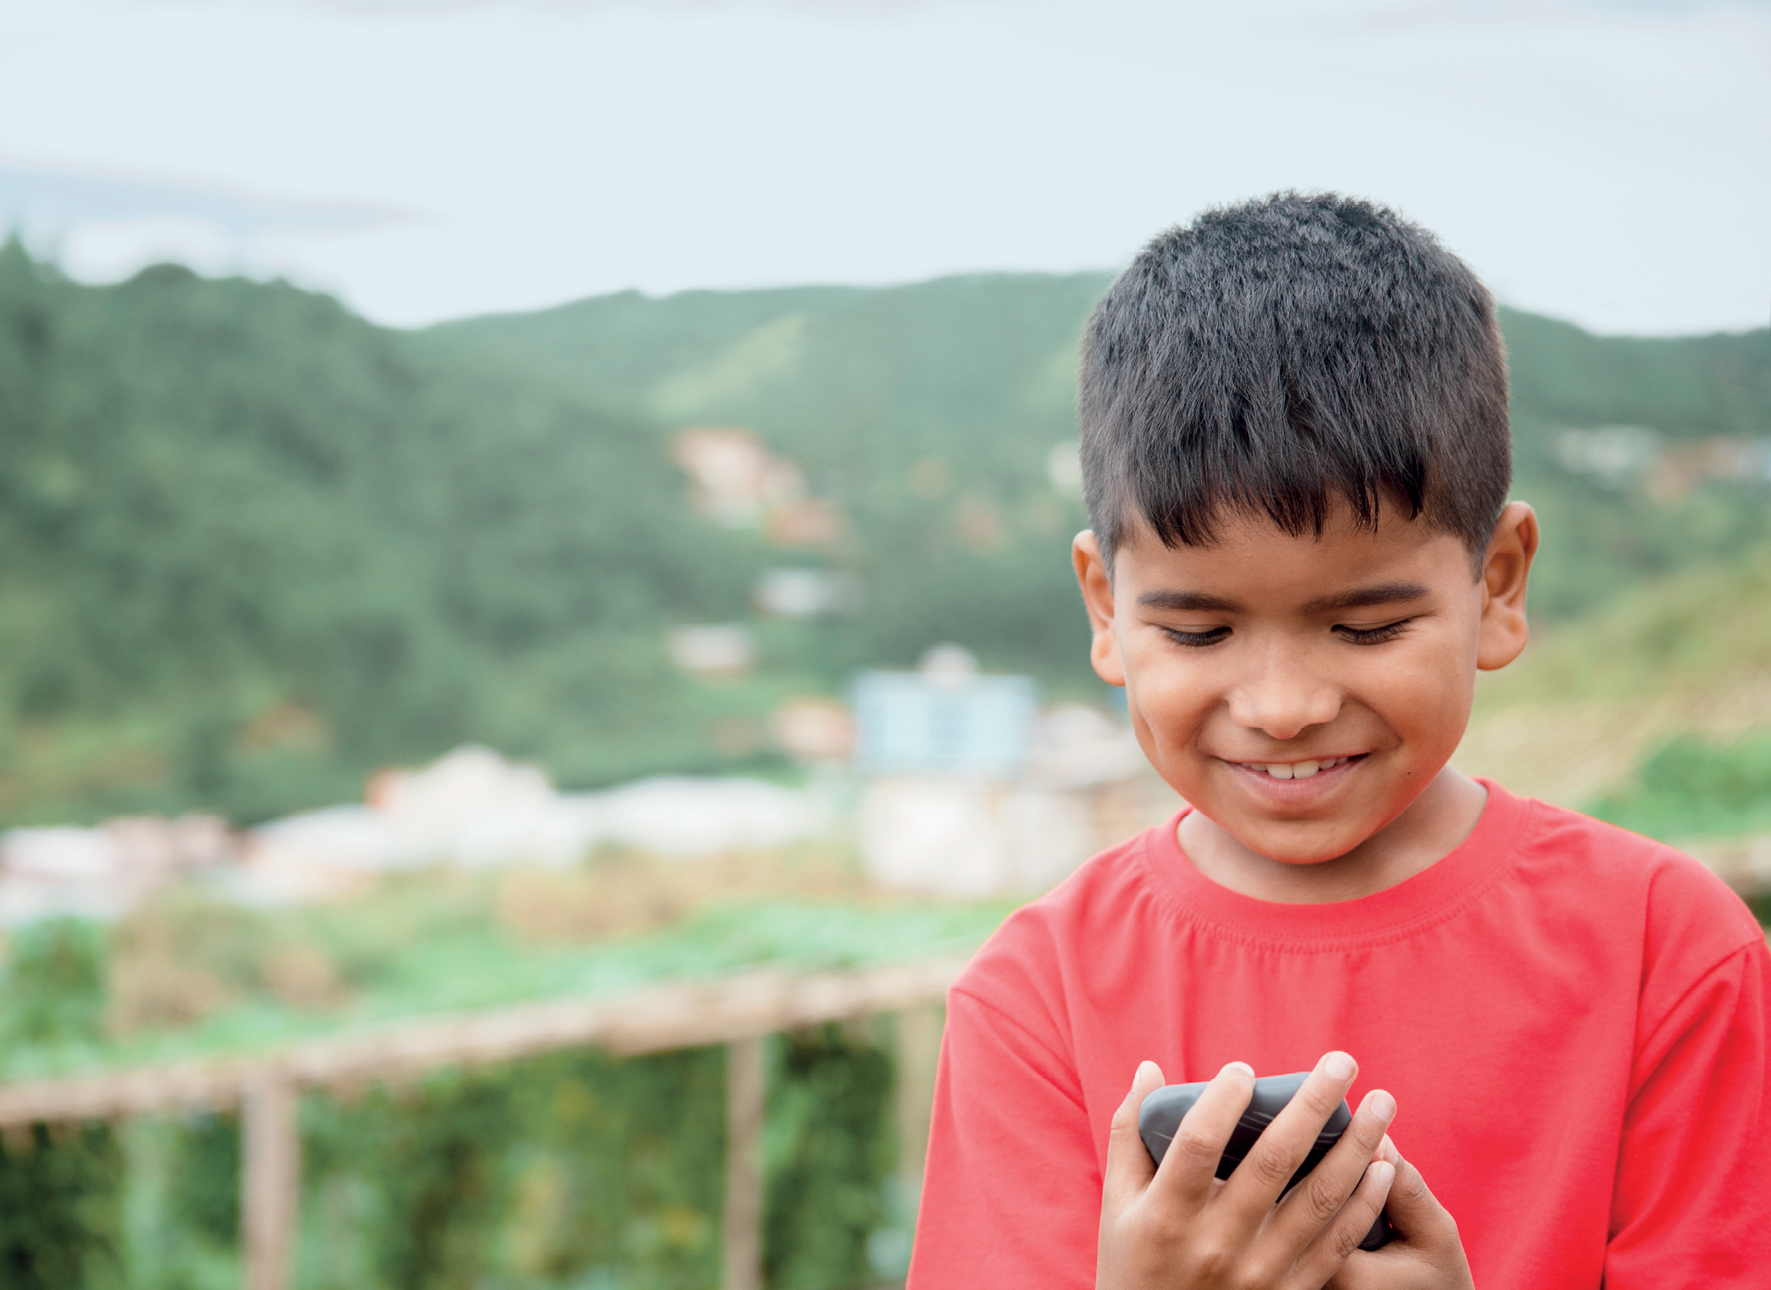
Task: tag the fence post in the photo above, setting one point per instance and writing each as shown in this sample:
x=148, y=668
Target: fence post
x=741, y=1244
x=270, y=1179
x=919, y=1051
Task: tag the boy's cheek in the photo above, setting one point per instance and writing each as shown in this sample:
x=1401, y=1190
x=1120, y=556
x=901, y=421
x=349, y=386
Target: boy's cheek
x=1166, y=709
x=1172, y=748
x=1428, y=706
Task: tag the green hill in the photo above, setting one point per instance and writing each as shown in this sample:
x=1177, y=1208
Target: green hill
x=259, y=547
x=1653, y=710
x=977, y=374
x=1601, y=538
x=927, y=413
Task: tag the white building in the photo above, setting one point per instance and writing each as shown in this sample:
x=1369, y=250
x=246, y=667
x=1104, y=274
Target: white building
x=969, y=789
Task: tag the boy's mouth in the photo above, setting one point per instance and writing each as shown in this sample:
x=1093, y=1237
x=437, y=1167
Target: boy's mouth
x=1296, y=769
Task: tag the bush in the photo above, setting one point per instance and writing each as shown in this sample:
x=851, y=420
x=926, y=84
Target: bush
x=830, y=1149
x=54, y=989
x=60, y=1209
x=1689, y=789
x=580, y=1169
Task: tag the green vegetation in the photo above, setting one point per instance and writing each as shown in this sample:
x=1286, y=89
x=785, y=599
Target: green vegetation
x=1601, y=539
x=61, y=1209
x=1692, y=638
x=190, y=978
x=1690, y=788
x=259, y=548
x=54, y=985
x=570, y=1169
x=1648, y=711
x=928, y=413
x=1687, y=387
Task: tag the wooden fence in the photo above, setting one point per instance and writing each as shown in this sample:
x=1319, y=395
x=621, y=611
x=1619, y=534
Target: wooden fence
x=737, y=1011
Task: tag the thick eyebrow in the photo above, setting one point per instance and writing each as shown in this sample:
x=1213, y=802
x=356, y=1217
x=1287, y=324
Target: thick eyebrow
x=1185, y=600
x=1385, y=593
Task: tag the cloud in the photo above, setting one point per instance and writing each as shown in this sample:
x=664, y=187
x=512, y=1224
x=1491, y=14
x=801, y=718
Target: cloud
x=53, y=201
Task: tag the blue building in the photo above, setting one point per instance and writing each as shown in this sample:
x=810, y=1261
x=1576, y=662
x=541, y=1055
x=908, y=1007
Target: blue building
x=943, y=721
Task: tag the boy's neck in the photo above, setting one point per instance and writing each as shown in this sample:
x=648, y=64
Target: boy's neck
x=1445, y=813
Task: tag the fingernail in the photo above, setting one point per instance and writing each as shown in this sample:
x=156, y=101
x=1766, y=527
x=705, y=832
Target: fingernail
x=1382, y=1105
x=1383, y=1173
x=1339, y=1066
x=1235, y=1066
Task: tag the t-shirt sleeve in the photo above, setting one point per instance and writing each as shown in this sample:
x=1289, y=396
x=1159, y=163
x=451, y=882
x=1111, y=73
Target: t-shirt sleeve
x=1692, y=1204
x=1012, y=1186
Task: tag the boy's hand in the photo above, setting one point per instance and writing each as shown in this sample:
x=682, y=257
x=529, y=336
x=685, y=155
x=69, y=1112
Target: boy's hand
x=1180, y=1228
x=1426, y=1253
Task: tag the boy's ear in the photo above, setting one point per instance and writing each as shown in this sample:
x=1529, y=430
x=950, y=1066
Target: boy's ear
x=1505, y=572
x=1097, y=598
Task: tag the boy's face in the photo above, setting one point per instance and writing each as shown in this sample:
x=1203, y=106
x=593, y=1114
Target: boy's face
x=1301, y=692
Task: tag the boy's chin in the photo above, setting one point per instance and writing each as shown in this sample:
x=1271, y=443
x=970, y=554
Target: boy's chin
x=1295, y=842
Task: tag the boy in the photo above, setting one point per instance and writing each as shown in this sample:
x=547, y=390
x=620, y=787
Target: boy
x=1297, y=459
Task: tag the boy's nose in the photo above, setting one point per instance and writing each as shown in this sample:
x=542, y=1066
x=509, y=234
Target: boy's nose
x=1284, y=706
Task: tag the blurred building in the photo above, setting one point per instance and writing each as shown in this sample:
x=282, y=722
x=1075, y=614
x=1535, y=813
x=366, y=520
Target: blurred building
x=966, y=788
x=945, y=720
x=734, y=479
x=474, y=809
x=104, y=872
x=711, y=649
x=470, y=809
x=1620, y=457
x=814, y=731
x=970, y=789
x=807, y=593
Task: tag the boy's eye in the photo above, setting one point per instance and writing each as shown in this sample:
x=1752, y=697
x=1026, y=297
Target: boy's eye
x=1210, y=636
x=1372, y=635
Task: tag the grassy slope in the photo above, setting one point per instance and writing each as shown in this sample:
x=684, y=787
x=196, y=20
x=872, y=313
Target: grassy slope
x=1688, y=654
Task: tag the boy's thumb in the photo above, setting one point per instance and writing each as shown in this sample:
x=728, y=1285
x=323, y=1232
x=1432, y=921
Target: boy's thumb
x=1412, y=1208
x=1145, y=1082
x=1128, y=1162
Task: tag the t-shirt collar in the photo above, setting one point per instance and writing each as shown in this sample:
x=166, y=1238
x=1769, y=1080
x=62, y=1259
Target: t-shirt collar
x=1413, y=904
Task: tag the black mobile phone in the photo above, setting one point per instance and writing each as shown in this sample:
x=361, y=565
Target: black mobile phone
x=1160, y=1116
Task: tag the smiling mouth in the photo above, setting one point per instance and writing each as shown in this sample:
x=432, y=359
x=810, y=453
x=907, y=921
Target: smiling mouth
x=1296, y=769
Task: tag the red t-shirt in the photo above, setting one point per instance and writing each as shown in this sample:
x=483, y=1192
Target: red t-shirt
x=1573, y=1020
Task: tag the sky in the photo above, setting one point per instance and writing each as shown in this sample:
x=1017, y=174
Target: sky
x=1605, y=161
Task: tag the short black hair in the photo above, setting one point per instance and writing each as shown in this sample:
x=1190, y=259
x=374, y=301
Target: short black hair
x=1280, y=354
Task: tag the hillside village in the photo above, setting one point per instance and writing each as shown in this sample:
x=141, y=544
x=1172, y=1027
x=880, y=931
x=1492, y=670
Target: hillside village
x=941, y=780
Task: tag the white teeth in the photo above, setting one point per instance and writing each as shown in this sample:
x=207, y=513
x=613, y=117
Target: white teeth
x=1295, y=769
